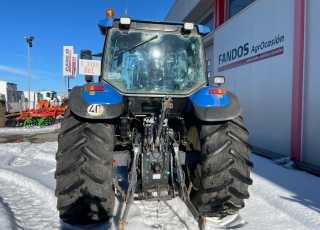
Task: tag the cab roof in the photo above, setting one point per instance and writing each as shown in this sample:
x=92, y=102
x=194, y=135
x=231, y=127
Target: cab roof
x=168, y=26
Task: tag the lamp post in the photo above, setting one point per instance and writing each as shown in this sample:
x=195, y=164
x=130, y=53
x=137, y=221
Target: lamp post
x=29, y=41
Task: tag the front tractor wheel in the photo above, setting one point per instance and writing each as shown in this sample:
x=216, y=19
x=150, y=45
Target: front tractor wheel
x=84, y=170
x=220, y=183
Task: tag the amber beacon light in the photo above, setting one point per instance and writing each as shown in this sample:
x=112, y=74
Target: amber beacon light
x=110, y=13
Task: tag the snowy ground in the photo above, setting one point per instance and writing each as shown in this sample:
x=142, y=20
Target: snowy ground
x=281, y=198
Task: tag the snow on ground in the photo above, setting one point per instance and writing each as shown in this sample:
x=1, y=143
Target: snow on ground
x=281, y=198
x=28, y=131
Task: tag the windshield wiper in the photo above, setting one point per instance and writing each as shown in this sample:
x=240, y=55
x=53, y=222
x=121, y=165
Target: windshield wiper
x=135, y=46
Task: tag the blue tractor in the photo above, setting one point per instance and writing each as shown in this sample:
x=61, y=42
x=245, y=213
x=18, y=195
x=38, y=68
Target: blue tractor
x=152, y=111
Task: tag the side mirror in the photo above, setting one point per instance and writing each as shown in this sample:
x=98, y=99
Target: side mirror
x=86, y=54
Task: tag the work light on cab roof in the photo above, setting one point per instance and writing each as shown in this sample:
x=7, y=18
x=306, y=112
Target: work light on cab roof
x=219, y=80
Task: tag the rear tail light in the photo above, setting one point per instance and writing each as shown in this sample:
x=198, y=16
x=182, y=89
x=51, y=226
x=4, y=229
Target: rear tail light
x=94, y=88
x=217, y=91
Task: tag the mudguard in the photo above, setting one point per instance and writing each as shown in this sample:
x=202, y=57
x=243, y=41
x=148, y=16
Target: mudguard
x=214, y=107
x=104, y=104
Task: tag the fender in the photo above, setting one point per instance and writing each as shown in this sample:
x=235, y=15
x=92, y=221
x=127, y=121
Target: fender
x=214, y=107
x=104, y=104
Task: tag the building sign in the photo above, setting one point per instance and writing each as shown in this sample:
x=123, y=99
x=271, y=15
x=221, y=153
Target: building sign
x=259, y=57
x=243, y=50
x=74, y=65
x=67, y=61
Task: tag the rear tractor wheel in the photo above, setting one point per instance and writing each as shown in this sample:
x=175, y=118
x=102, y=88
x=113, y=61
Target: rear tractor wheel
x=84, y=171
x=220, y=183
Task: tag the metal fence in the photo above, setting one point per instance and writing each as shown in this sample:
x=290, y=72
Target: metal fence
x=17, y=107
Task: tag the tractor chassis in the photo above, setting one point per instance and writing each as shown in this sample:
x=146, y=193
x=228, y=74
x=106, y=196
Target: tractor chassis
x=121, y=158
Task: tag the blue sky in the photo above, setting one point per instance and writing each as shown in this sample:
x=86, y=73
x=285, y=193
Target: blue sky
x=54, y=24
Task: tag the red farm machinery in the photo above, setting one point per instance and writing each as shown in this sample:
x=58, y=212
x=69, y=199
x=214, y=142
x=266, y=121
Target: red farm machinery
x=46, y=114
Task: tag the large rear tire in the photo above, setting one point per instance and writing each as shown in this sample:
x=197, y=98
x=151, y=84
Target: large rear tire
x=84, y=170
x=220, y=183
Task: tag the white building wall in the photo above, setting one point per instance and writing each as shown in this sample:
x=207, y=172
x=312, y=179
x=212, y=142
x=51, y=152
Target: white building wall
x=181, y=9
x=311, y=100
x=264, y=87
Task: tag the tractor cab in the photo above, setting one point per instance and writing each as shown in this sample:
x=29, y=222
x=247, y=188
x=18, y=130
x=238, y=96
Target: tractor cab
x=153, y=61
